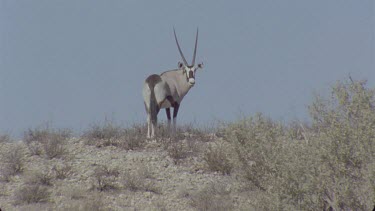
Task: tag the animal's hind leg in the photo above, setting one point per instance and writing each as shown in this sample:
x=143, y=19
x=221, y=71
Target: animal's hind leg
x=153, y=127
x=148, y=126
x=154, y=122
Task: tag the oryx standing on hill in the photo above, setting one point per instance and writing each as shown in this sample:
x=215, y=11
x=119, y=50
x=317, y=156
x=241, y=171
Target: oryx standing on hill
x=168, y=89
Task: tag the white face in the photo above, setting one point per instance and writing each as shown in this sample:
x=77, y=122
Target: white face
x=190, y=74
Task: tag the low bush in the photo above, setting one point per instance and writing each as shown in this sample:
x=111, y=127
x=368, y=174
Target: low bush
x=47, y=141
x=217, y=158
x=140, y=180
x=107, y=134
x=326, y=166
x=12, y=162
x=110, y=134
x=257, y=142
x=41, y=177
x=133, y=137
x=62, y=171
x=178, y=151
x=105, y=178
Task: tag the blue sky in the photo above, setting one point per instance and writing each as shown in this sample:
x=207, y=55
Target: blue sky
x=75, y=63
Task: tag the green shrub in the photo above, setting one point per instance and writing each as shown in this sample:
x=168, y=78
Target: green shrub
x=257, y=142
x=346, y=142
x=329, y=165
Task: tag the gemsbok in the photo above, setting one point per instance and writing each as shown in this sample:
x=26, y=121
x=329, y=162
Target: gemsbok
x=168, y=89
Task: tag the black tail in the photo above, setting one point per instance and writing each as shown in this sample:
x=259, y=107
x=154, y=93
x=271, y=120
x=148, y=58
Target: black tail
x=154, y=107
x=151, y=81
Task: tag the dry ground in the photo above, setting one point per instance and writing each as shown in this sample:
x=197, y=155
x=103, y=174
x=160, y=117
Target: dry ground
x=91, y=173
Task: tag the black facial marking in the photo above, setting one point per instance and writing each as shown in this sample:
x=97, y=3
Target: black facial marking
x=191, y=74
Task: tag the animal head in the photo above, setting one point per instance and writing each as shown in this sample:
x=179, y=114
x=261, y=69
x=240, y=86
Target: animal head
x=188, y=70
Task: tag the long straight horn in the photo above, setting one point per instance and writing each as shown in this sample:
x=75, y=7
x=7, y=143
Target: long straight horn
x=179, y=49
x=195, y=49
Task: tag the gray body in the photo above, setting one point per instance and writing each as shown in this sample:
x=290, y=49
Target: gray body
x=167, y=90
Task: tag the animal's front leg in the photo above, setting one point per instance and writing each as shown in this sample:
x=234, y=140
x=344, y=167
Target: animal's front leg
x=175, y=112
x=168, y=112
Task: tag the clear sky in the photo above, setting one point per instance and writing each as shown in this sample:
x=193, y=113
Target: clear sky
x=74, y=63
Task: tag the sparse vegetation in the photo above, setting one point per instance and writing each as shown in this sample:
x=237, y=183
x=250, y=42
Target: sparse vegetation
x=103, y=135
x=28, y=194
x=133, y=138
x=110, y=134
x=212, y=197
x=191, y=132
x=4, y=138
x=94, y=203
x=62, y=171
x=12, y=162
x=43, y=177
x=217, y=158
x=325, y=164
x=105, y=178
x=48, y=141
x=177, y=151
x=140, y=180
x=327, y=167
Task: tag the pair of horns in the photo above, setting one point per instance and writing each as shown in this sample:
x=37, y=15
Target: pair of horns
x=195, y=49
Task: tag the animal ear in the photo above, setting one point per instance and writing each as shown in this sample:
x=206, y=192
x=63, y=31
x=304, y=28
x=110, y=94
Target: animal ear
x=180, y=65
x=200, y=66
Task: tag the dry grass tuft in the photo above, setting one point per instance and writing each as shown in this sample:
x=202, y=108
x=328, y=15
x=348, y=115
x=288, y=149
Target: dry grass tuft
x=62, y=171
x=217, y=158
x=47, y=141
x=43, y=177
x=177, y=151
x=133, y=138
x=105, y=178
x=193, y=133
x=140, y=180
x=103, y=135
x=110, y=134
